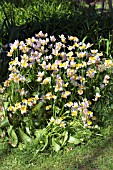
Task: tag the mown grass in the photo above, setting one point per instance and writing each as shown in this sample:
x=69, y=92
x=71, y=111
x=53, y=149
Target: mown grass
x=96, y=154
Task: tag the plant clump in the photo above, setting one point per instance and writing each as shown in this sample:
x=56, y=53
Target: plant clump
x=52, y=90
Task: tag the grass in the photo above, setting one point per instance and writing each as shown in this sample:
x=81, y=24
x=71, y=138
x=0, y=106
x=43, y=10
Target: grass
x=96, y=154
x=99, y=157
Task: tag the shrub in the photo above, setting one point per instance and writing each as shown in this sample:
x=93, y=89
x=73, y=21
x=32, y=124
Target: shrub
x=52, y=91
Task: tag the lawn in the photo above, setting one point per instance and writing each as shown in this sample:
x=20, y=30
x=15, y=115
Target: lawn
x=96, y=154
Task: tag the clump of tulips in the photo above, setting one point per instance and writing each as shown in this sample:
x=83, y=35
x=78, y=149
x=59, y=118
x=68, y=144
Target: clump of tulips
x=52, y=90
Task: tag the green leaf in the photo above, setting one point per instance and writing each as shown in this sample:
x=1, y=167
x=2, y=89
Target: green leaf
x=9, y=130
x=97, y=90
x=56, y=109
x=5, y=122
x=39, y=133
x=84, y=39
x=107, y=47
x=14, y=139
x=1, y=132
x=28, y=79
x=65, y=137
x=25, y=138
x=74, y=140
x=111, y=106
x=55, y=146
x=28, y=130
x=37, y=107
x=67, y=112
x=6, y=105
x=46, y=143
x=58, y=8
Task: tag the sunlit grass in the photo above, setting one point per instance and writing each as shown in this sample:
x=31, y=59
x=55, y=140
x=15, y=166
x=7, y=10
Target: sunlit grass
x=96, y=154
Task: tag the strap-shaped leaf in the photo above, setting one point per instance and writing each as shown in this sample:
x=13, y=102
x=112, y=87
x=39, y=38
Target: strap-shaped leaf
x=37, y=107
x=46, y=144
x=9, y=130
x=25, y=138
x=65, y=137
x=55, y=146
x=14, y=139
x=74, y=140
x=5, y=122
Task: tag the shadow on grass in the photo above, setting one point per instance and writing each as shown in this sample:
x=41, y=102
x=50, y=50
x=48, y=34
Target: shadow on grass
x=5, y=150
x=97, y=151
x=81, y=158
x=98, y=147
